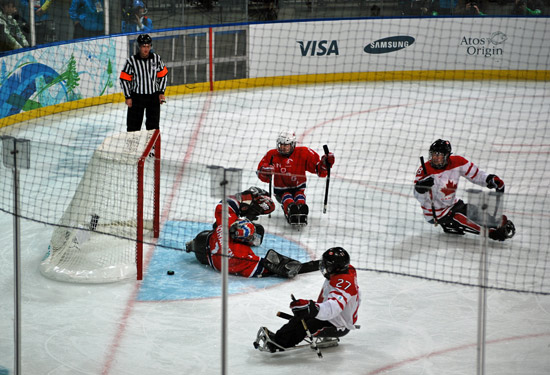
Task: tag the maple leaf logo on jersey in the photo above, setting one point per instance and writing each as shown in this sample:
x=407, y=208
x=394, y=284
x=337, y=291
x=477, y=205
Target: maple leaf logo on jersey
x=450, y=188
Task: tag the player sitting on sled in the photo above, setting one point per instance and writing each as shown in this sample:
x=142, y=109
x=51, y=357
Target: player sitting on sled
x=332, y=316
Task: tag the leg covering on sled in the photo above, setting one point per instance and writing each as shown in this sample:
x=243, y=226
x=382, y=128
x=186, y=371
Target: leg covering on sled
x=281, y=265
x=265, y=343
x=284, y=266
x=199, y=246
x=458, y=222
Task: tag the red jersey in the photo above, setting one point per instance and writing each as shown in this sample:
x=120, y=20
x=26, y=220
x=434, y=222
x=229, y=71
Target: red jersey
x=290, y=171
x=242, y=260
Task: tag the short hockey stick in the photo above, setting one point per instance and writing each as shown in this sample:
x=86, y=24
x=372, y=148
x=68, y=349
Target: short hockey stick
x=325, y=147
x=313, y=343
x=284, y=315
x=270, y=182
x=431, y=195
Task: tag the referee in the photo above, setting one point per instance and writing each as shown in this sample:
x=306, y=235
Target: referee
x=143, y=82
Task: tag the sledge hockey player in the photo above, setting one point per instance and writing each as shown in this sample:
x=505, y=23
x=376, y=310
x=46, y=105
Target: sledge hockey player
x=332, y=316
x=243, y=208
x=436, y=188
x=288, y=164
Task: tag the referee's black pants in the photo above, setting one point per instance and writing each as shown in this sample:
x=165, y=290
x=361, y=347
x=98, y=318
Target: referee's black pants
x=143, y=103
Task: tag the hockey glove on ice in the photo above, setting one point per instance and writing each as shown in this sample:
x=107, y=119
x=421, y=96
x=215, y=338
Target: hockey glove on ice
x=424, y=185
x=494, y=182
x=303, y=308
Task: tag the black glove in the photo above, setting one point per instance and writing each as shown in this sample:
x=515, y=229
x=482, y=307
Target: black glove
x=494, y=182
x=424, y=185
x=303, y=308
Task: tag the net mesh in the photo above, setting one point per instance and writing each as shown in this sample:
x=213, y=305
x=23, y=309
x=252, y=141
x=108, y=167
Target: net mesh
x=377, y=118
x=95, y=239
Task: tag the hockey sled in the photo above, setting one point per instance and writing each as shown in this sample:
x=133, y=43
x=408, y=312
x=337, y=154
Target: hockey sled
x=264, y=343
x=297, y=220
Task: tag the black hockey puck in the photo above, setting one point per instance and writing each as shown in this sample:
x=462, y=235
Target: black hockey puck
x=170, y=272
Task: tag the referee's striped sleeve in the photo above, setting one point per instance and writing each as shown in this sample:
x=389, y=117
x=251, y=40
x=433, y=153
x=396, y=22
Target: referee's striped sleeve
x=126, y=78
x=162, y=77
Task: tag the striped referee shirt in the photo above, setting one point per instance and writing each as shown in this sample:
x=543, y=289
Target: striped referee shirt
x=143, y=76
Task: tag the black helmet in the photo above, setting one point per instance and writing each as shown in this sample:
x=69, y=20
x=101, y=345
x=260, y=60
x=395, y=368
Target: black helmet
x=335, y=260
x=144, y=39
x=440, y=147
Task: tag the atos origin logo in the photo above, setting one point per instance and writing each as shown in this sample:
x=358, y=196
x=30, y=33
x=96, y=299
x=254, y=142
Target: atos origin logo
x=391, y=44
x=318, y=47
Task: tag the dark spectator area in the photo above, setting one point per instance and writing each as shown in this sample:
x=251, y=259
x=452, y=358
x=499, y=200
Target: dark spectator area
x=61, y=20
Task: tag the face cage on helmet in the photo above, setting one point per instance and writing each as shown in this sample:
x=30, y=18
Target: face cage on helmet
x=328, y=269
x=323, y=269
x=445, y=159
x=292, y=147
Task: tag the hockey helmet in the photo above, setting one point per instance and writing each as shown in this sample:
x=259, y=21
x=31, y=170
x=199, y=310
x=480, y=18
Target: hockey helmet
x=286, y=137
x=144, y=39
x=242, y=230
x=441, y=147
x=335, y=260
x=138, y=4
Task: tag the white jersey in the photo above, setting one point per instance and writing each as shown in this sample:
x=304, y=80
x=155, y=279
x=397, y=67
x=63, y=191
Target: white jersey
x=340, y=299
x=445, y=185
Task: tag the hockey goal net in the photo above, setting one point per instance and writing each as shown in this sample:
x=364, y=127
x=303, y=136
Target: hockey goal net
x=100, y=236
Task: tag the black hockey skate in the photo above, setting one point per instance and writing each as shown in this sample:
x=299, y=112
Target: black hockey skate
x=297, y=214
x=291, y=214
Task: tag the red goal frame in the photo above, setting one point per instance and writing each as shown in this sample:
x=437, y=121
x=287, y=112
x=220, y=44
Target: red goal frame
x=153, y=144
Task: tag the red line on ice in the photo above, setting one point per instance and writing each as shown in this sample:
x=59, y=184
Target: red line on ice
x=111, y=353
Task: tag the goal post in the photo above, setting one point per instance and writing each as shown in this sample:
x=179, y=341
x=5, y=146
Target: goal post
x=101, y=234
x=153, y=148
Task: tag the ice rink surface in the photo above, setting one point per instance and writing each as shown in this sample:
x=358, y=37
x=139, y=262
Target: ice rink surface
x=409, y=325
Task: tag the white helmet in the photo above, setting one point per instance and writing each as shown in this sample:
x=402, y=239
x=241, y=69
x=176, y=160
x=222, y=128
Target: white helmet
x=286, y=137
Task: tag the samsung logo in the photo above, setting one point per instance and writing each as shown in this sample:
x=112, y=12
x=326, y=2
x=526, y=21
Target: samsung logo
x=391, y=44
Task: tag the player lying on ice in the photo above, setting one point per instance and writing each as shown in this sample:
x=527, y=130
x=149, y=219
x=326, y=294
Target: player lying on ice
x=288, y=164
x=243, y=208
x=436, y=188
x=332, y=316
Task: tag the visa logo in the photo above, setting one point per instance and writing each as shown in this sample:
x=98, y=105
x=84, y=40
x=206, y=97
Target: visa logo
x=318, y=48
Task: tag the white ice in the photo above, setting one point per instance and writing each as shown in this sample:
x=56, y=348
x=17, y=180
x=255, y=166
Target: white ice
x=377, y=131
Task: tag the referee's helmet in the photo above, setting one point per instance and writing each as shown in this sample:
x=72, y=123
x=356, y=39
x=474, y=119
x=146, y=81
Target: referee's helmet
x=144, y=39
